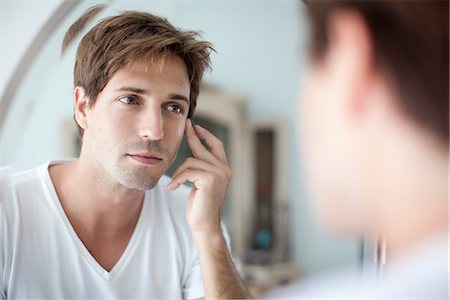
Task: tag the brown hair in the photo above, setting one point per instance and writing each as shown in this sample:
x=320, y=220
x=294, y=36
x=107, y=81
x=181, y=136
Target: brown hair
x=120, y=40
x=411, y=46
x=76, y=28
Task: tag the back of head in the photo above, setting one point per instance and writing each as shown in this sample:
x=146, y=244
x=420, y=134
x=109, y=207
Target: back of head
x=411, y=48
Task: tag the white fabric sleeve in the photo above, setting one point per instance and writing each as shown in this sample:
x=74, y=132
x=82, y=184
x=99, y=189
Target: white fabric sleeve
x=2, y=254
x=4, y=190
x=193, y=285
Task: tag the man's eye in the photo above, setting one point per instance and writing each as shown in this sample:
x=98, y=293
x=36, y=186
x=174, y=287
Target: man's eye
x=128, y=100
x=175, y=108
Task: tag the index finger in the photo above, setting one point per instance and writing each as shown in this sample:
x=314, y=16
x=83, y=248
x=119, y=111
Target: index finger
x=213, y=143
x=198, y=150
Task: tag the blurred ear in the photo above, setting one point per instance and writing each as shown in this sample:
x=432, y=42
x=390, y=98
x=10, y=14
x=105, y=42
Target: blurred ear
x=81, y=106
x=350, y=58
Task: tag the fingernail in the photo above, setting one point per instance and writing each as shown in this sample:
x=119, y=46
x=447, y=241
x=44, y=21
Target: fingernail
x=172, y=186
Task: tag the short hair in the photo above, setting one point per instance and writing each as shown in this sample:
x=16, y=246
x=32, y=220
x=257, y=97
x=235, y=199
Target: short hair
x=411, y=46
x=119, y=40
x=76, y=28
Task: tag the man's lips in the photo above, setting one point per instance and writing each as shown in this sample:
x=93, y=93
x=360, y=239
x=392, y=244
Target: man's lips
x=146, y=158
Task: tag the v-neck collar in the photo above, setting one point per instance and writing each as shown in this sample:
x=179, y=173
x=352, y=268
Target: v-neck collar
x=81, y=247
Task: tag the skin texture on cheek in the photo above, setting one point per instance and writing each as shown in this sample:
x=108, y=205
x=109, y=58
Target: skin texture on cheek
x=178, y=133
x=331, y=156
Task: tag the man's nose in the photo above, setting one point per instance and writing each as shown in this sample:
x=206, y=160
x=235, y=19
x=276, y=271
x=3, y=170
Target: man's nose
x=152, y=124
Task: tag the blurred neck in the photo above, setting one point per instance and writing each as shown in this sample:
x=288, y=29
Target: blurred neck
x=413, y=201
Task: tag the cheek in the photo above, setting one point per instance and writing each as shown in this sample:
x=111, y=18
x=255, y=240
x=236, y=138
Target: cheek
x=114, y=126
x=111, y=129
x=314, y=127
x=326, y=156
x=313, y=108
x=174, y=131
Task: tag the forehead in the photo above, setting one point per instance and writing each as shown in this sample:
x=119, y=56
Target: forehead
x=161, y=70
x=158, y=65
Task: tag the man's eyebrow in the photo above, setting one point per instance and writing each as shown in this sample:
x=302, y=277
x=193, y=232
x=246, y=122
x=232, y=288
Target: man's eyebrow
x=132, y=89
x=179, y=97
x=146, y=92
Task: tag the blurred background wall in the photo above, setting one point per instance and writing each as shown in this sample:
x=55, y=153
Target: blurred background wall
x=261, y=54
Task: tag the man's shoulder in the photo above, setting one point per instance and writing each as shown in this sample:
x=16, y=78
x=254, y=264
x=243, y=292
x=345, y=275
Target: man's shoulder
x=18, y=194
x=24, y=195
x=19, y=183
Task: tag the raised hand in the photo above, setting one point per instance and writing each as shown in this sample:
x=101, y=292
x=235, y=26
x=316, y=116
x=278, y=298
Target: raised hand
x=208, y=170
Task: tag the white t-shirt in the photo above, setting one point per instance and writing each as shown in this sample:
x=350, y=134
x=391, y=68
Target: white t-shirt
x=41, y=256
x=421, y=274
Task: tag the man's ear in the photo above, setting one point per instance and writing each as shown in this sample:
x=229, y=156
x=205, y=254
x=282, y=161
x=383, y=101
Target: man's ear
x=350, y=57
x=81, y=104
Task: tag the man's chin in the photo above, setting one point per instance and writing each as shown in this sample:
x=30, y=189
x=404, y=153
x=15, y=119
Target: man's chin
x=140, y=177
x=140, y=180
x=141, y=185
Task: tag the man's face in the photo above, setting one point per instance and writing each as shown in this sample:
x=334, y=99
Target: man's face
x=333, y=157
x=136, y=126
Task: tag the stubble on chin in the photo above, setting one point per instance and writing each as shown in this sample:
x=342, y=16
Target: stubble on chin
x=140, y=178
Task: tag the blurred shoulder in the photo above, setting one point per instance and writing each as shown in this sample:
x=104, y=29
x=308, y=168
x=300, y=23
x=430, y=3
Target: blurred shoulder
x=19, y=186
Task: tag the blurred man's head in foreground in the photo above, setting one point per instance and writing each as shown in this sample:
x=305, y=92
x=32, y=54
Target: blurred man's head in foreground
x=374, y=114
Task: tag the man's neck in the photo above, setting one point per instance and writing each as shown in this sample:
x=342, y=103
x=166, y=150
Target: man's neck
x=414, y=194
x=95, y=205
x=400, y=243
